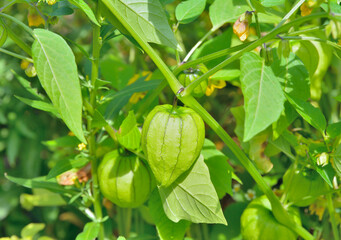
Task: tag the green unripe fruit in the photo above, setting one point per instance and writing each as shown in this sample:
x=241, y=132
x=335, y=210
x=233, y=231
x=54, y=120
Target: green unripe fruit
x=259, y=223
x=3, y=35
x=172, y=139
x=188, y=76
x=304, y=186
x=125, y=180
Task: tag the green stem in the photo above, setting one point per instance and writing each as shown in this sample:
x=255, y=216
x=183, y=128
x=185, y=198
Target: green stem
x=332, y=219
x=16, y=55
x=124, y=221
x=280, y=213
x=96, y=46
x=198, y=44
x=250, y=47
x=209, y=57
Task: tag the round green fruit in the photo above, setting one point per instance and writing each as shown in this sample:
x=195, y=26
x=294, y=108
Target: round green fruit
x=172, y=139
x=125, y=180
x=189, y=75
x=303, y=186
x=259, y=223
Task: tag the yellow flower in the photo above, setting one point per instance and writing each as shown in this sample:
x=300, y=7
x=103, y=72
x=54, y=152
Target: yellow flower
x=51, y=2
x=318, y=208
x=24, y=64
x=305, y=9
x=71, y=134
x=213, y=84
x=35, y=20
x=139, y=95
x=81, y=146
x=242, y=26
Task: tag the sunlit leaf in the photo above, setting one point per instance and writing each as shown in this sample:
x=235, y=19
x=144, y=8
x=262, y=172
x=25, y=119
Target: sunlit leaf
x=90, y=231
x=57, y=72
x=129, y=134
x=192, y=197
x=166, y=228
x=188, y=11
x=263, y=95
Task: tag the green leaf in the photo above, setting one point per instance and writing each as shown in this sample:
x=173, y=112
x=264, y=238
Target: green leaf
x=188, y=11
x=121, y=238
x=44, y=106
x=192, y=197
x=129, y=134
x=312, y=115
x=220, y=42
x=226, y=75
x=30, y=230
x=41, y=182
x=292, y=75
x=148, y=19
x=263, y=95
x=220, y=170
x=272, y=3
x=121, y=98
x=66, y=141
x=338, y=98
x=57, y=72
x=65, y=165
x=90, y=231
x=41, y=198
x=334, y=130
x=27, y=85
x=224, y=11
x=166, y=228
x=86, y=9
x=308, y=53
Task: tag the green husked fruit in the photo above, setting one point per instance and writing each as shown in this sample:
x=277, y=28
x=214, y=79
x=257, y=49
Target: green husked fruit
x=125, y=180
x=3, y=35
x=305, y=186
x=188, y=76
x=172, y=140
x=259, y=223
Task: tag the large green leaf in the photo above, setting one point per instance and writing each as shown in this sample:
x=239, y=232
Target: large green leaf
x=292, y=75
x=192, y=197
x=90, y=231
x=312, y=115
x=220, y=170
x=263, y=95
x=57, y=72
x=166, y=228
x=188, y=11
x=129, y=135
x=148, y=19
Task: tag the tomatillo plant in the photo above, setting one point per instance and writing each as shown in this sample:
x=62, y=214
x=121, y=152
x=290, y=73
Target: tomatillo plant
x=131, y=165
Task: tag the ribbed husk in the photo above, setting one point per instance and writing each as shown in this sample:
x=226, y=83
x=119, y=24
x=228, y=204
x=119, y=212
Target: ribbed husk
x=125, y=180
x=172, y=140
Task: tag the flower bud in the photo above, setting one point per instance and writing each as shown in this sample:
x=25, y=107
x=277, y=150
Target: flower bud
x=266, y=53
x=323, y=159
x=242, y=26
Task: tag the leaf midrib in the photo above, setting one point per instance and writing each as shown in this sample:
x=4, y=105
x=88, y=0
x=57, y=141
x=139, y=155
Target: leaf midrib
x=55, y=80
